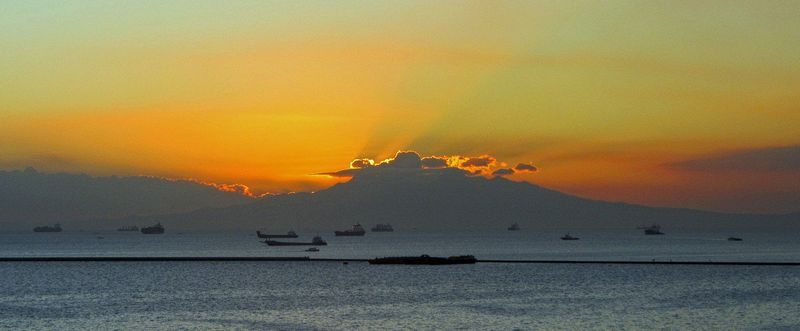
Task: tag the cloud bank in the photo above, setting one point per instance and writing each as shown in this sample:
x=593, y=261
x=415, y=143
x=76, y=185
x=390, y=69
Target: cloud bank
x=484, y=165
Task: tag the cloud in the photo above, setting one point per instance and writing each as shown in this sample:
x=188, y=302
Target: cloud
x=503, y=172
x=346, y=173
x=362, y=163
x=404, y=159
x=434, y=162
x=238, y=188
x=483, y=161
x=756, y=160
x=484, y=165
x=526, y=167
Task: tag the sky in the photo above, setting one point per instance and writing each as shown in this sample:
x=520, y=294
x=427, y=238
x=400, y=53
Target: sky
x=669, y=103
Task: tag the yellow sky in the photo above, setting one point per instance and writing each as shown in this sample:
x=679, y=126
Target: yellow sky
x=599, y=95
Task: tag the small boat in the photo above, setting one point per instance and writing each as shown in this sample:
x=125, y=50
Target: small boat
x=317, y=241
x=155, y=229
x=569, y=237
x=382, y=228
x=129, y=228
x=312, y=249
x=290, y=234
x=514, y=227
x=425, y=260
x=46, y=228
x=356, y=230
x=654, y=229
x=734, y=239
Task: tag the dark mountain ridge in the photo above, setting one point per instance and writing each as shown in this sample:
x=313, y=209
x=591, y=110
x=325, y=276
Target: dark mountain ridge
x=30, y=197
x=449, y=199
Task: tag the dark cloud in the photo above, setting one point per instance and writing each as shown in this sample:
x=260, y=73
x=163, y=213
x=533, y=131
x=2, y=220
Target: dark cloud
x=484, y=161
x=434, y=162
x=759, y=160
x=404, y=159
x=484, y=165
x=503, y=172
x=526, y=167
x=342, y=173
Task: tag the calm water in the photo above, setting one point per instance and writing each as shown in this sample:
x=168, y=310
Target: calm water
x=593, y=245
x=328, y=295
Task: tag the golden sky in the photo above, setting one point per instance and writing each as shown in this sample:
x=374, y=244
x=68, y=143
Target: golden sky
x=608, y=99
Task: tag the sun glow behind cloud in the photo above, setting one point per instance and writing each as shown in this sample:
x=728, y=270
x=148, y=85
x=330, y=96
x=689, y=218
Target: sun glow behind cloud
x=600, y=95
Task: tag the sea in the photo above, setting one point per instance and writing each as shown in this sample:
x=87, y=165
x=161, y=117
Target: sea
x=331, y=295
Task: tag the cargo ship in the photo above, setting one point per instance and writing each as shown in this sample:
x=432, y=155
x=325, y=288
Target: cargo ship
x=317, y=241
x=569, y=237
x=46, y=228
x=654, y=229
x=155, y=229
x=290, y=234
x=356, y=230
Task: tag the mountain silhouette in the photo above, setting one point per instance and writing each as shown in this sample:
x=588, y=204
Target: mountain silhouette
x=449, y=199
x=29, y=197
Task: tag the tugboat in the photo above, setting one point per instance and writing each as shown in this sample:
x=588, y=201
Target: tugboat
x=317, y=241
x=155, y=229
x=129, y=228
x=654, y=229
x=357, y=230
x=55, y=228
x=382, y=228
x=569, y=237
x=290, y=234
x=734, y=239
x=514, y=227
x=425, y=260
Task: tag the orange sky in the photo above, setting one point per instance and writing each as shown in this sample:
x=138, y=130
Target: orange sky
x=604, y=98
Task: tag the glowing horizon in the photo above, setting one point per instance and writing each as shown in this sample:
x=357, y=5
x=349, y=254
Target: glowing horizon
x=639, y=102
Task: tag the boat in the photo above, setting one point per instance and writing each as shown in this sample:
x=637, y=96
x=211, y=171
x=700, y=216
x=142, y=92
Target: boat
x=734, y=239
x=312, y=249
x=569, y=237
x=651, y=230
x=55, y=228
x=514, y=227
x=129, y=228
x=382, y=228
x=317, y=241
x=290, y=234
x=425, y=260
x=356, y=230
x=155, y=229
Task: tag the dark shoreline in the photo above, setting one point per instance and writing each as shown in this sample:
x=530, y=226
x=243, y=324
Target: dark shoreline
x=307, y=259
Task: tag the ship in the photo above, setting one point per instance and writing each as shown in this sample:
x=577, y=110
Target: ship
x=47, y=228
x=734, y=239
x=129, y=228
x=382, y=228
x=425, y=260
x=357, y=230
x=317, y=241
x=290, y=234
x=514, y=227
x=569, y=237
x=650, y=230
x=155, y=229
